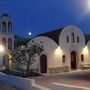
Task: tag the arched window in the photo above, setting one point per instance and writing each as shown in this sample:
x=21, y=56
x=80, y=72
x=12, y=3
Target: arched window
x=82, y=57
x=4, y=27
x=10, y=43
x=73, y=37
x=63, y=58
x=9, y=27
x=77, y=39
x=67, y=39
x=4, y=60
x=4, y=42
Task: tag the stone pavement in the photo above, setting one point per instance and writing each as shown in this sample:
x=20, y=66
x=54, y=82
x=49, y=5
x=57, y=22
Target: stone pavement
x=77, y=78
x=6, y=87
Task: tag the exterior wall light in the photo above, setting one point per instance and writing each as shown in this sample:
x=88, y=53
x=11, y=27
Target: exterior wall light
x=58, y=51
x=1, y=48
x=85, y=50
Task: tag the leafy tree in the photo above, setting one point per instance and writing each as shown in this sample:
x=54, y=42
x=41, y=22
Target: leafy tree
x=31, y=50
x=19, y=55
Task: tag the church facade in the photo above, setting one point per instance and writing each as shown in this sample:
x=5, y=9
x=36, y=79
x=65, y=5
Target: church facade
x=65, y=49
x=6, y=40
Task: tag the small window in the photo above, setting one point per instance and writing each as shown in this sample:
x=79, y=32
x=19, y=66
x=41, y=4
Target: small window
x=82, y=57
x=73, y=37
x=67, y=39
x=63, y=58
x=77, y=39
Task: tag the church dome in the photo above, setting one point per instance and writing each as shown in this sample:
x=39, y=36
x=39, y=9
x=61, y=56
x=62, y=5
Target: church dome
x=5, y=16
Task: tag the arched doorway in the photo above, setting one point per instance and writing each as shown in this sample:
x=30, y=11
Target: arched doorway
x=43, y=63
x=7, y=60
x=4, y=60
x=73, y=60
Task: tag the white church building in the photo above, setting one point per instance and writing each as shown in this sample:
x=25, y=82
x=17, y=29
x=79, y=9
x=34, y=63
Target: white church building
x=65, y=49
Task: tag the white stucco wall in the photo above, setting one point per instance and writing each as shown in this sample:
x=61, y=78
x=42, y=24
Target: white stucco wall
x=70, y=46
x=55, y=52
x=87, y=52
x=52, y=51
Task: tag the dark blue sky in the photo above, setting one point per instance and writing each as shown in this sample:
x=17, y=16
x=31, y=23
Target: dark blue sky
x=38, y=16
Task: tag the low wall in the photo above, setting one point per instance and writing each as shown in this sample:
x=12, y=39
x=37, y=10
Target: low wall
x=21, y=83
x=58, y=69
x=57, y=86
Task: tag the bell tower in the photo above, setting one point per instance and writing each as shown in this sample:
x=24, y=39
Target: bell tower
x=6, y=38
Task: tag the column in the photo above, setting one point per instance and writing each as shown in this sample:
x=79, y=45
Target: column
x=6, y=26
x=1, y=26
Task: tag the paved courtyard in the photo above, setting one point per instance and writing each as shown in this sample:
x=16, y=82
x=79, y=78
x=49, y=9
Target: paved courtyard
x=6, y=87
x=76, y=78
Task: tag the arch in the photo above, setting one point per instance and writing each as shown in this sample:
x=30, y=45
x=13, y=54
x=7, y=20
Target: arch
x=73, y=60
x=4, y=60
x=4, y=27
x=4, y=42
x=9, y=27
x=43, y=63
x=10, y=43
x=68, y=31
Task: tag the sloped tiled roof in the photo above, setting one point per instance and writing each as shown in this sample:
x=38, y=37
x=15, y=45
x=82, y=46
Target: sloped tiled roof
x=54, y=35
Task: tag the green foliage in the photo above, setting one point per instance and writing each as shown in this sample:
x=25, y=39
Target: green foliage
x=33, y=49
x=19, y=55
x=20, y=74
x=14, y=73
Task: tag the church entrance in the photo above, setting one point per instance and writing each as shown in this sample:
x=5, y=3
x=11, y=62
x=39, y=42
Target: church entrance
x=73, y=60
x=43, y=63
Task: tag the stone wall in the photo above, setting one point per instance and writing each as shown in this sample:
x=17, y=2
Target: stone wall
x=59, y=69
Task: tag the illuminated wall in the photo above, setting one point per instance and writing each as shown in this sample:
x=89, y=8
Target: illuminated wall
x=71, y=39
